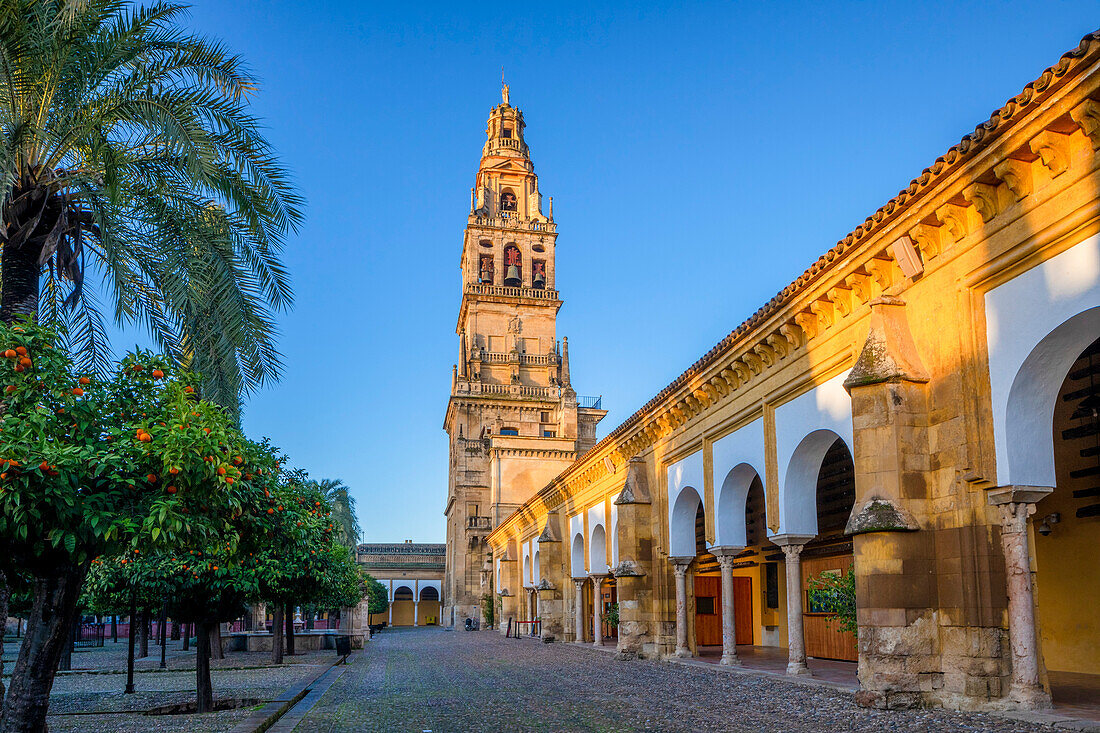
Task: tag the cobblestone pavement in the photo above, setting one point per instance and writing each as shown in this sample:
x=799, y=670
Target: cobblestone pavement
x=442, y=681
x=93, y=702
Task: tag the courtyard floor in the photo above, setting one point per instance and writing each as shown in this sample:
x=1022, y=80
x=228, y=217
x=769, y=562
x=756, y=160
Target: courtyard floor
x=441, y=681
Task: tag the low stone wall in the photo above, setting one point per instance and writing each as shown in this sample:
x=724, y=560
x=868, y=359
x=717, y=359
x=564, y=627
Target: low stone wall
x=305, y=641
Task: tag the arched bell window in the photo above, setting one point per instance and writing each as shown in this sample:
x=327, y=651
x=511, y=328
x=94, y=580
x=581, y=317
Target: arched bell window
x=507, y=200
x=538, y=274
x=485, y=270
x=513, y=267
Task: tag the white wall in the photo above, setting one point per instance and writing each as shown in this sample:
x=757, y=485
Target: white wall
x=685, y=473
x=1051, y=306
x=814, y=415
x=597, y=545
x=738, y=457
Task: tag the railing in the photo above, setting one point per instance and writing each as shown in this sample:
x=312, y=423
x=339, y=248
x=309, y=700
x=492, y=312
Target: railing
x=88, y=635
x=489, y=357
x=592, y=403
x=511, y=292
x=509, y=220
x=479, y=523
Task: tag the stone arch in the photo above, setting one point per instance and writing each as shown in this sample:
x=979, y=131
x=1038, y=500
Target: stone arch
x=597, y=550
x=576, y=556
x=536, y=573
x=429, y=593
x=1029, y=412
x=730, y=518
x=527, y=570
x=681, y=538
x=798, y=496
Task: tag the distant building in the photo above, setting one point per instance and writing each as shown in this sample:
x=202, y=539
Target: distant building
x=413, y=575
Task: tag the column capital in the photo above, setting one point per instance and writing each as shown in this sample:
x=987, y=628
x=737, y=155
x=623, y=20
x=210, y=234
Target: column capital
x=785, y=540
x=680, y=564
x=726, y=551
x=1016, y=494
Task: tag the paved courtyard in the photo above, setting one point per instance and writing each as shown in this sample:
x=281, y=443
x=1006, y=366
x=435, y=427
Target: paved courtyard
x=434, y=680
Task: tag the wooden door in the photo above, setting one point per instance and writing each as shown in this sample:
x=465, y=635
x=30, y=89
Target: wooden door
x=708, y=611
x=824, y=637
x=742, y=610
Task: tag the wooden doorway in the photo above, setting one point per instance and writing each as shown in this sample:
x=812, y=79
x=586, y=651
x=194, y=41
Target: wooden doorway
x=742, y=610
x=708, y=610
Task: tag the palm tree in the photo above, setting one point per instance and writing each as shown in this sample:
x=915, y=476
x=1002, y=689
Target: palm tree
x=128, y=154
x=343, y=511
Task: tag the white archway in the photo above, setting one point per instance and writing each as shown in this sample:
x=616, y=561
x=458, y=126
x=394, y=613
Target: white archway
x=730, y=516
x=597, y=550
x=1029, y=413
x=798, y=500
x=527, y=570
x=681, y=538
x=536, y=575
x=576, y=556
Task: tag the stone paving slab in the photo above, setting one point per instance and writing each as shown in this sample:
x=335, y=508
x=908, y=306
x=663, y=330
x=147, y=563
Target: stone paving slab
x=434, y=680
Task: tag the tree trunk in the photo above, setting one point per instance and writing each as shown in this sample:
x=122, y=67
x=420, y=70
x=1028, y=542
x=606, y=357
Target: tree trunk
x=114, y=629
x=162, y=631
x=55, y=599
x=175, y=630
x=277, y=634
x=204, y=691
x=131, y=637
x=5, y=598
x=217, y=651
x=288, y=614
x=143, y=634
x=19, y=273
x=186, y=636
x=66, y=662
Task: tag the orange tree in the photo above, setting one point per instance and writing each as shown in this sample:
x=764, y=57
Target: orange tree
x=90, y=466
x=307, y=566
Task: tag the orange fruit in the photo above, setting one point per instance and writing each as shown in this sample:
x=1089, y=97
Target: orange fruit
x=20, y=368
x=44, y=465
x=10, y=353
x=173, y=470
x=157, y=374
x=229, y=480
x=138, y=367
x=85, y=380
x=146, y=438
x=188, y=390
x=206, y=430
x=221, y=470
x=78, y=391
x=24, y=362
x=152, y=478
x=21, y=350
x=171, y=489
x=270, y=511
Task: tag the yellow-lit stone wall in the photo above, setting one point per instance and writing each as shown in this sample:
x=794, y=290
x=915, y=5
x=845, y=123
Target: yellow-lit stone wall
x=898, y=308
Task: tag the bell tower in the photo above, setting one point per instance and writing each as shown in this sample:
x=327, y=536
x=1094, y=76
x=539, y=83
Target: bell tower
x=513, y=417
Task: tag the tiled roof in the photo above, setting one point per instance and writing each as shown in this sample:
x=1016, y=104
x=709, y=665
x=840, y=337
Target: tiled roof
x=403, y=548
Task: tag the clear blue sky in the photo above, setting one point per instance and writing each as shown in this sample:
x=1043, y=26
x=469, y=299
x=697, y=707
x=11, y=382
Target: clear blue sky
x=700, y=157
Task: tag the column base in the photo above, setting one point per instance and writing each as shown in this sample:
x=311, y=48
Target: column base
x=682, y=653
x=798, y=668
x=597, y=643
x=730, y=661
x=1030, y=698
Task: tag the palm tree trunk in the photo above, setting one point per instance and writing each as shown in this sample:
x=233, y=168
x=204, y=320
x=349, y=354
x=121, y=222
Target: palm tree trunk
x=51, y=618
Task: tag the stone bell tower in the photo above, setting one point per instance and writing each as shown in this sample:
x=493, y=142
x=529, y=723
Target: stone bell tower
x=513, y=417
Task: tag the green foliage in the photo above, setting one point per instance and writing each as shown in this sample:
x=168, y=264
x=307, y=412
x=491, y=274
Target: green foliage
x=611, y=617
x=343, y=511
x=488, y=609
x=378, y=600
x=85, y=460
x=127, y=143
x=835, y=593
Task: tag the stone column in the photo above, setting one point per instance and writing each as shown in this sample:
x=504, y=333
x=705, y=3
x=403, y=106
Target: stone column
x=578, y=611
x=725, y=556
x=597, y=609
x=796, y=641
x=681, y=565
x=259, y=618
x=1016, y=504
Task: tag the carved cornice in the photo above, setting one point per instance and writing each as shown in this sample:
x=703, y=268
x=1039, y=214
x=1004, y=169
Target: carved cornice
x=760, y=342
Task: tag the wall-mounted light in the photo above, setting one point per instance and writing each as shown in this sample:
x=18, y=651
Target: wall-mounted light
x=1046, y=526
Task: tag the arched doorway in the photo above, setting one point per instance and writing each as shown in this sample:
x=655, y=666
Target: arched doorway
x=428, y=608
x=401, y=608
x=1066, y=536
x=708, y=591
